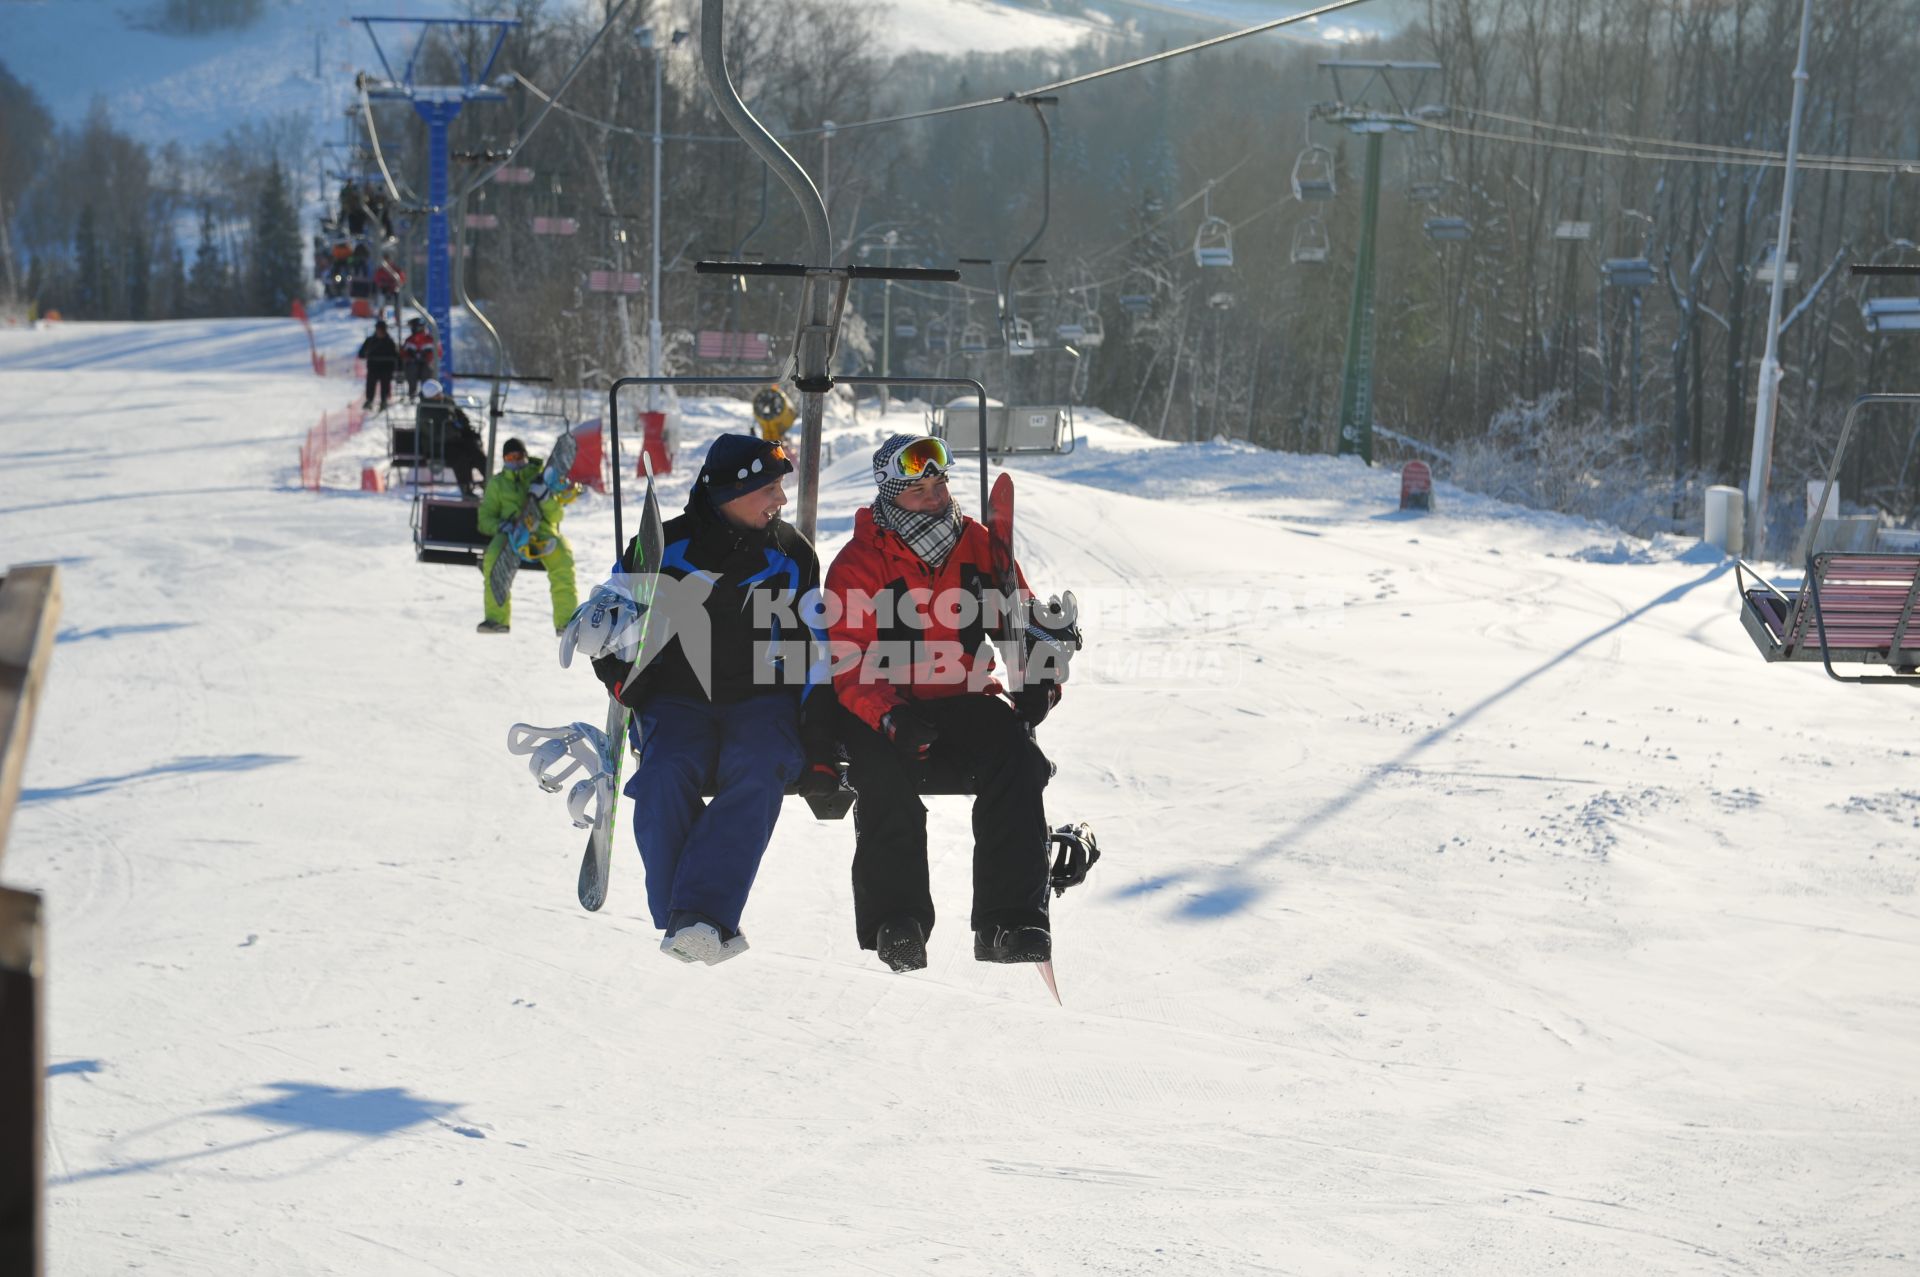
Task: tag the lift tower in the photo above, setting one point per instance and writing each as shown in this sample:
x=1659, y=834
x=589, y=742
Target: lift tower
x=438, y=105
x=1383, y=103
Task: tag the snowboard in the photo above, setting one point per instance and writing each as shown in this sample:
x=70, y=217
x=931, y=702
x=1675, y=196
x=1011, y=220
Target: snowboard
x=597, y=859
x=1011, y=623
x=515, y=539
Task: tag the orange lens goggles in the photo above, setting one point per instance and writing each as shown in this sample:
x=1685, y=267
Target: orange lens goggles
x=921, y=458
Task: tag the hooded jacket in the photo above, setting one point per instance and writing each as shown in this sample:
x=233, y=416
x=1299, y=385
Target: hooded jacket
x=902, y=631
x=753, y=650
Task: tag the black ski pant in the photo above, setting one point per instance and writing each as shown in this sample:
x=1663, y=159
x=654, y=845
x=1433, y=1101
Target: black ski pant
x=379, y=376
x=468, y=461
x=984, y=743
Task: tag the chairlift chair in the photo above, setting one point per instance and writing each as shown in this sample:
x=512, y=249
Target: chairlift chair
x=1071, y=329
x=1213, y=243
x=1136, y=303
x=1627, y=272
x=1448, y=230
x=1020, y=338
x=938, y=338
x=1853, y=607
x=1885, y=315
x=973, y=339
x=906, y=327
x=1310, y=244
x=1313, y=174
x=1092, y=330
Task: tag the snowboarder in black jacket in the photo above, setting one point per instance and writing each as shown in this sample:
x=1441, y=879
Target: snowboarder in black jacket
x=381, y=357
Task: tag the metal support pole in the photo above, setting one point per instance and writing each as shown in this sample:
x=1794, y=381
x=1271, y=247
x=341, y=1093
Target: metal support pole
x=812, y=353
x=1767, y=401
x=886, y=325
x=1633, y=389
x=1356, y=383
x=653, y=288
x=439, y=114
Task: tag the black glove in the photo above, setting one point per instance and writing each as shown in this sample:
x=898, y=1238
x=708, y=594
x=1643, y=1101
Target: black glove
x=612, y=671
x=1051, y=637
x=1035, y=701
x=909, y=734
x=819, y=781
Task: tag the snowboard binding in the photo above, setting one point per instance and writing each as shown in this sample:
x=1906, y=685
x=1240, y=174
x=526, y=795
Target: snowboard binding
x=556, y=753
x=1078, y=851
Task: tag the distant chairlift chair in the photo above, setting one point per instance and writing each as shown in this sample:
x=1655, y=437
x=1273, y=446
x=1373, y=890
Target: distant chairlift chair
x=1310, y=244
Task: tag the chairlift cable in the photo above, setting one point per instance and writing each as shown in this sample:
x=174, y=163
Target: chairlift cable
x=1710, y=147
x=1772, y=160
x=1011, y=96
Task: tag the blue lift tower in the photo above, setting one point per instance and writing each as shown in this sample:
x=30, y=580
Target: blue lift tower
x=438, y=105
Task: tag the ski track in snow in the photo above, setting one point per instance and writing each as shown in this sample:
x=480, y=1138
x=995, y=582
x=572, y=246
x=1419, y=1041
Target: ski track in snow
x=1474, y=900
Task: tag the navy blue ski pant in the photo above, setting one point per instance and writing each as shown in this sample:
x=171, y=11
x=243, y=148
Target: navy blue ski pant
x=703, y=856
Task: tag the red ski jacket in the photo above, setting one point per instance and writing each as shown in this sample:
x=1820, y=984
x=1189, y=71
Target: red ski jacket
x=901, y=631
x=419, y=346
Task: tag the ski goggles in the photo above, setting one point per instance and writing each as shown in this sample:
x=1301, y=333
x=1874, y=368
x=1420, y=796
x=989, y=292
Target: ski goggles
x=919, y=459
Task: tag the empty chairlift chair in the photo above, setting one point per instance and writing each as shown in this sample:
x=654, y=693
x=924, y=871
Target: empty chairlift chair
x=1448, y=230
x=1313, y=174
x=1092, y=330
x=1310, y=242
x=1020, y=338
x=1213, y=241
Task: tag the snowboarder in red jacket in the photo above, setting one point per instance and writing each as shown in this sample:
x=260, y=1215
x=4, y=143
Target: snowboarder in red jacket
x=418, y=356
x=913, y=603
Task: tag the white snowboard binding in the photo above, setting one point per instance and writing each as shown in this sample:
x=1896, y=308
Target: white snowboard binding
x=556, y=753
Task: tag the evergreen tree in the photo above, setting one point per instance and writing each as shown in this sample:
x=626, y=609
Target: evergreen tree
x=90, y=296
x=139, y=274
x=207, y=284
x=276, y=275
x=176, y=299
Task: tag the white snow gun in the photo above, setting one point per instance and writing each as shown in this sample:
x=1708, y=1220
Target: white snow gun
x=580, y=747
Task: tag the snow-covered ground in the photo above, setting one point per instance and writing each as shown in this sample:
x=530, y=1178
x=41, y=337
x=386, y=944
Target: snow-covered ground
x=1475, y=899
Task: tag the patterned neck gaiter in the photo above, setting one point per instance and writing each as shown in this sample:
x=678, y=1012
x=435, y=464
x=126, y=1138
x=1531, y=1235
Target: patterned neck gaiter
x=931, y=536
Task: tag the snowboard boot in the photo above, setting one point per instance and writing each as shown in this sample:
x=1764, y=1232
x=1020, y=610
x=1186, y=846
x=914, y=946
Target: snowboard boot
x=693, y=938
x=902, y=944
x=491, y=627
x=1013, y=944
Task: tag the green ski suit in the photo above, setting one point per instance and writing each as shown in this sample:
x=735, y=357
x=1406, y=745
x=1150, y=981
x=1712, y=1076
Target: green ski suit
x=505, y=497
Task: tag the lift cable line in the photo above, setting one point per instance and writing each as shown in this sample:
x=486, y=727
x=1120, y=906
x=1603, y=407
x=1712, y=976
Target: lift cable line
x=1717, y=148
x=1741, y=158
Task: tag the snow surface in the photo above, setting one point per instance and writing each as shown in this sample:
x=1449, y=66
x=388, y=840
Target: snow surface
x=1472, y=903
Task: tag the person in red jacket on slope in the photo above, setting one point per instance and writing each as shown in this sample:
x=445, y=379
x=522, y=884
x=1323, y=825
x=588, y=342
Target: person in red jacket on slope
x=913, y=603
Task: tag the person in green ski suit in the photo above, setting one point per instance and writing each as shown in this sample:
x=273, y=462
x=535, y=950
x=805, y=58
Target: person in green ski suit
x=500, y=505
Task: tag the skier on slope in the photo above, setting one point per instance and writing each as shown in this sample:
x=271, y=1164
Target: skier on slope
x=418, y=354
x=502, y=505
x=917, y=674
x=444, y=432
x=737, y=711
x=381, y=357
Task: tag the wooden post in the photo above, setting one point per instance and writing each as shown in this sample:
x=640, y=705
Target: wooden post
x=29, y=608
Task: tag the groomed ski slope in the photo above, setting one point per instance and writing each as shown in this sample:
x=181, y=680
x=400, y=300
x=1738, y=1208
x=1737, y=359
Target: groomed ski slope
x=1475, y=900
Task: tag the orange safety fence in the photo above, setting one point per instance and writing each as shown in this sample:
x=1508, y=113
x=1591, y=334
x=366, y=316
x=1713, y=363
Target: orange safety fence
x=333, y=429
x=313, y=348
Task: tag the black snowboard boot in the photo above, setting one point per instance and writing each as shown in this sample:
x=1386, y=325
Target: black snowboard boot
x=1013, y=944
x=902, y=944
